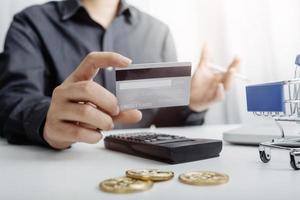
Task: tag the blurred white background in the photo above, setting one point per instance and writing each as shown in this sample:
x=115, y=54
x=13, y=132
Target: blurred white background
x=265, y=34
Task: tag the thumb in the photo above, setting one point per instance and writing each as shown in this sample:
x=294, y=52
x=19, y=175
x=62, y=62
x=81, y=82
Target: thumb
x=204, y=57
x=128, y=117
x=90, y=65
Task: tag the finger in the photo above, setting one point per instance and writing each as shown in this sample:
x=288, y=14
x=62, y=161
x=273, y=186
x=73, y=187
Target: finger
x=86, y=114
x=229, y=75
x=228, y=79
x=235, y=64
x=90, y=65
x=84, y=125
x=128, y=117
x=89, y=91
x=70, y=132
x=204, y=58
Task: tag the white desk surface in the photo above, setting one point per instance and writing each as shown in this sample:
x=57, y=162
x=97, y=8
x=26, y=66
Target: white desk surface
x=28, y=172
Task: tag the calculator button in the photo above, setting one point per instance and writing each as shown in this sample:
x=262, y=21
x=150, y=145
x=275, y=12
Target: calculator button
x=164, y=138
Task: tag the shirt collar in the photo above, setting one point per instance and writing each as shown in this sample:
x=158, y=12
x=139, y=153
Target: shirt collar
x=69, y=8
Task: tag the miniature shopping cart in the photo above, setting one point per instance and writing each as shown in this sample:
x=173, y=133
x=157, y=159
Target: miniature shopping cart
x=280, y=101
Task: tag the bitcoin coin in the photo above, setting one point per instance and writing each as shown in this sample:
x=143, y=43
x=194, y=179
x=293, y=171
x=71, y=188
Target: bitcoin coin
x=150, y=174
x=203, y=178
x=124, y=185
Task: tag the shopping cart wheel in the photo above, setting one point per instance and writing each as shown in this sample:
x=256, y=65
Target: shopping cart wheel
x=265, y=155
x=295, y=160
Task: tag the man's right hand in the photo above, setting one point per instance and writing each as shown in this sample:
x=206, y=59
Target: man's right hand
x=80, y=107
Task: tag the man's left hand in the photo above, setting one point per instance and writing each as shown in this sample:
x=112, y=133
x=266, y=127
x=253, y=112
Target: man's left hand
x=208, y=87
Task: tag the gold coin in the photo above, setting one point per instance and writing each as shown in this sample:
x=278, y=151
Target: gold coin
x=203, y=178
x=124, y=185
x=150, y=174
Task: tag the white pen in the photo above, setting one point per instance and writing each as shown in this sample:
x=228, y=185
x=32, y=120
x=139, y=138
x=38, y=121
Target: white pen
x=222, y=69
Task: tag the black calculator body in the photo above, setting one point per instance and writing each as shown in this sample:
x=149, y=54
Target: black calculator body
x=163, y=147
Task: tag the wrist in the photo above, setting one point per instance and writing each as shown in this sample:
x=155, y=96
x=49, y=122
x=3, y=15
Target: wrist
x=198, y=107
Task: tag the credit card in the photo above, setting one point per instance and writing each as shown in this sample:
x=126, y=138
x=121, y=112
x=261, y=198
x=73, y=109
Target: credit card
x=153, y=85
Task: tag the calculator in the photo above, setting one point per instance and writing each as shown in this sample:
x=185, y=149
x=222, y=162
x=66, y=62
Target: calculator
x=166, y=148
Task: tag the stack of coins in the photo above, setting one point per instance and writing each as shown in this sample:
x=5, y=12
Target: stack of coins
x=141, y=180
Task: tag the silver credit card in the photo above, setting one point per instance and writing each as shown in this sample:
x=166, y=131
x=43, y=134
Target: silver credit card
x=153, y=85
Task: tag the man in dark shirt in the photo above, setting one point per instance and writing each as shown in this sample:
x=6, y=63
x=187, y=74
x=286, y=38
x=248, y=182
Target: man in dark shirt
x=46, y=99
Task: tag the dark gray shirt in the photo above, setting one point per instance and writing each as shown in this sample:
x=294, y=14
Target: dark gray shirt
x=45, y=43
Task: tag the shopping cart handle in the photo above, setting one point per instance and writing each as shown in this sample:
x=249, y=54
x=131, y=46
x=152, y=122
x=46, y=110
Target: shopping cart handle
x=297, y=62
